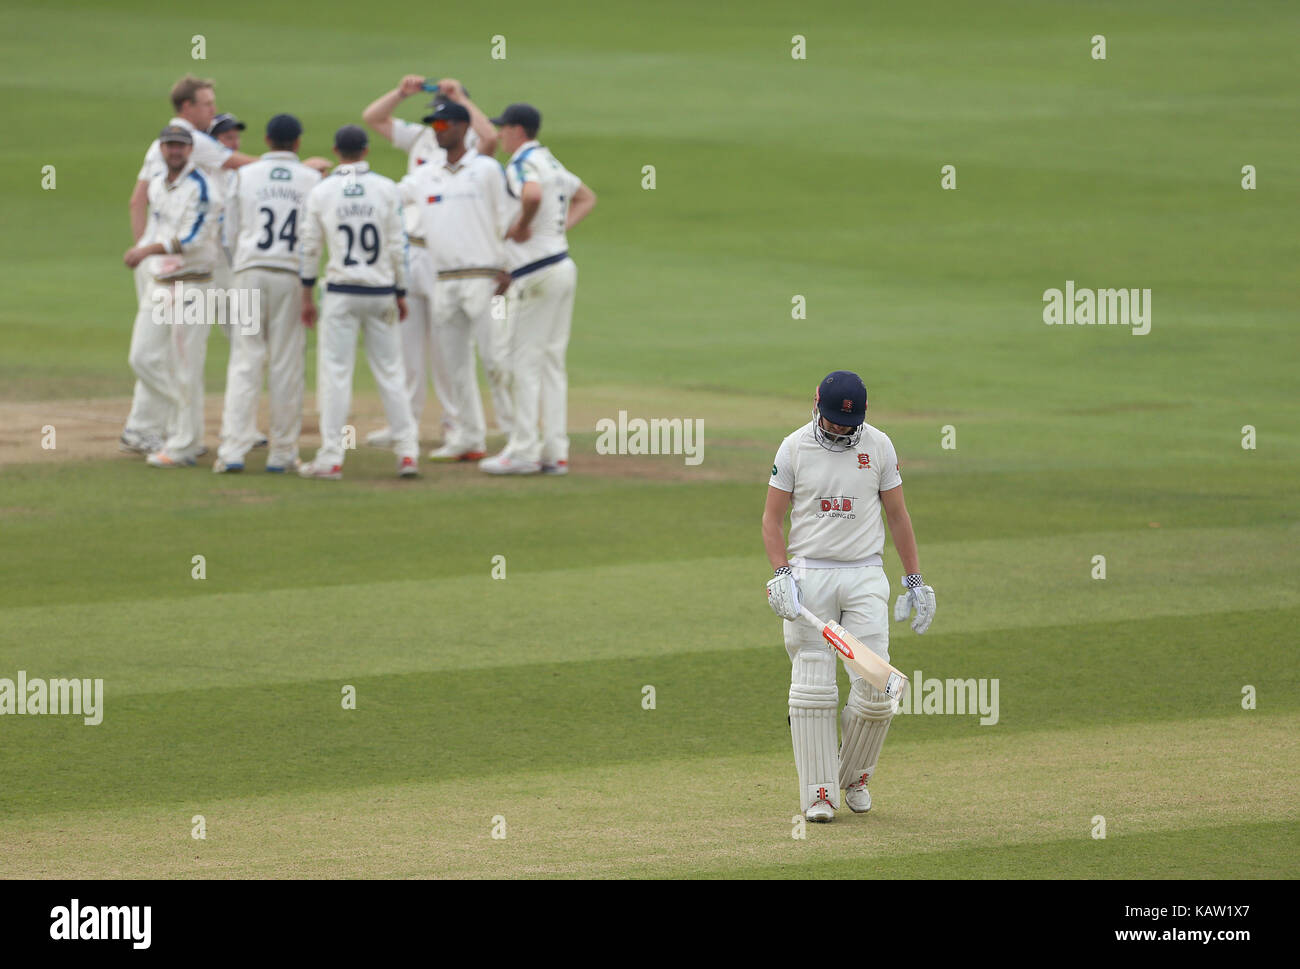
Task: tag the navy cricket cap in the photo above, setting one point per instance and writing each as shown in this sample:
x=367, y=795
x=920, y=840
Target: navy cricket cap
x=284, y=128
x=520, y=114
x=174, y=132
x=351, y=139
x=842, y=398
x=225, y=122
x=448, y=111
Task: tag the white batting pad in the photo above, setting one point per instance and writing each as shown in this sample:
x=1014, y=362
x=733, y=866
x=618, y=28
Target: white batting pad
x=813, y=699
x=865, y=721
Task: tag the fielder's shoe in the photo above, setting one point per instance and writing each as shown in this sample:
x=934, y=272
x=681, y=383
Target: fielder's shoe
x=858, y=797
x=380, y=438
x=504, y=464
x=261, y=440
x=133, y=442
x=449, y=453
x=280, y=467
x=221, y=467
x=407, y=468
x=559, y=467
x=161, y=459
x=820, y=812
x=325, y=472
x=203, y=449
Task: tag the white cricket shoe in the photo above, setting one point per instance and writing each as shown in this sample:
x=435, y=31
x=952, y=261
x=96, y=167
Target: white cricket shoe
x=449, y=453
x=858, y=797
x=407, y=467
x=161, y=459
x=133, y=442
x=559, y=467
x=504, y=464
x=821, y=812
x=323, y=472
x=380, y=438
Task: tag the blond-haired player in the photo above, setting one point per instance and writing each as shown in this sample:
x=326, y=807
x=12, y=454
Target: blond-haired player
x=833, y=476
x=195, y=106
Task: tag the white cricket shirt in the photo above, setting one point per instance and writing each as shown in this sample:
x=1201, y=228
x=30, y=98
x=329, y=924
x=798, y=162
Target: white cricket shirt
x=184, y=217
x=266, y=212
x=421, y=147
x=464, y=212
x=835, y=495
x=357, y=214
x=533, y=162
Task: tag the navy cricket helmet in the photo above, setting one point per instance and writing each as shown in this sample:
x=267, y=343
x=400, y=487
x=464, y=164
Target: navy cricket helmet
x=842, y=400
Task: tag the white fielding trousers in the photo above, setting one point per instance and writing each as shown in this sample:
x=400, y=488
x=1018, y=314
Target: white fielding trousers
x=462, y=319
x=167, y=355
x=420, y=350
x=540, y=312
x=275, y=342
x=342, y=316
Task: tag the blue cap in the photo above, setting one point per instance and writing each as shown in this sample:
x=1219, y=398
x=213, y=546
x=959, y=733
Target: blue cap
x=842, y=398
x=448, y=111
x=223, y=123
x=520, y=114
x=283, y=129
x=351, y=139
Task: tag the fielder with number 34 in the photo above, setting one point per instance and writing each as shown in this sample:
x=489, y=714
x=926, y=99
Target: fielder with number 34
x=833, y=475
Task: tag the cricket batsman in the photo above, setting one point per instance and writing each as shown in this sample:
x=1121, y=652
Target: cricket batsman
x=833, y=475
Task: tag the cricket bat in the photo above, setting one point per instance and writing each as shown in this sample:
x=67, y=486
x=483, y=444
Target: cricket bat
x=859, y=658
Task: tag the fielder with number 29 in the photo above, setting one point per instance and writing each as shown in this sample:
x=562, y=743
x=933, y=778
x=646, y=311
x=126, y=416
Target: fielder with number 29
x=833, y=475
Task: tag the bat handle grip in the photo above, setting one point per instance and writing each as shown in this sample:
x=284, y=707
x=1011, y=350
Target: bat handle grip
x=807, y=614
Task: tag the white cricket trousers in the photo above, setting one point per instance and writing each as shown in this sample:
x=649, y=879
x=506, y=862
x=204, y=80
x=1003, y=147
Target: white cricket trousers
x=153, y=360
x=275, y=341
x=143, y=403
x=540, y=311
x=420, y=350
x=223, y=278
x=856, y=598
x=167, y=355
x=375, y=316
x=462, y=318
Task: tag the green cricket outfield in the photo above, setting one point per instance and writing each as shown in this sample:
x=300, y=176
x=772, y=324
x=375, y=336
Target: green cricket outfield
x=580, y=677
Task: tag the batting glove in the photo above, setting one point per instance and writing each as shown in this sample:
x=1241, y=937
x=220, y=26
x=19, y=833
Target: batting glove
x=783, y=594
x=918, y=596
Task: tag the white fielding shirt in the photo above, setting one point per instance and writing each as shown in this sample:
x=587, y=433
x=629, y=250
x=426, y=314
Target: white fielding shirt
x=358, y=213
x=464, y=211
x=533, y=162
x=266, y=211
x=184, y=218
x=835, y=495
x=422, y=148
